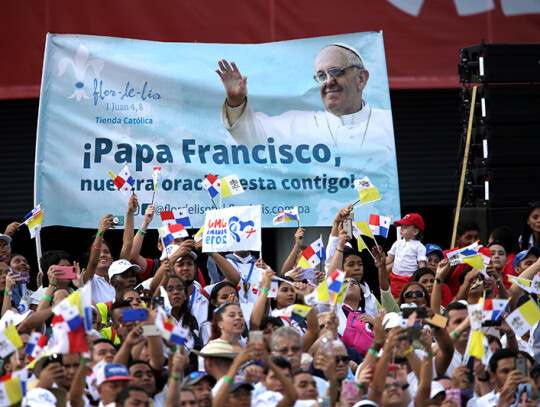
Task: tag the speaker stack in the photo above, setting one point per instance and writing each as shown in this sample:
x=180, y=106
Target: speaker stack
x=503, y=172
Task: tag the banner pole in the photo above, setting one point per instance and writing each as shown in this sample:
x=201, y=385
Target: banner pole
x=464, y=167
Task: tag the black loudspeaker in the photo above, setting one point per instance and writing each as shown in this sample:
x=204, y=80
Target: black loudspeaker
x=500, y=63
x=506, y=145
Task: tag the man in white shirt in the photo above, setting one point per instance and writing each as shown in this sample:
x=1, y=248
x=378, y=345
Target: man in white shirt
x=341, y=72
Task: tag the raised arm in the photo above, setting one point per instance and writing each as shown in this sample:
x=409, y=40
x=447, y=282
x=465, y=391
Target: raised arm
x=225, y=266
x=337, y=259
x=436, y=294
x=104, y=224
x=380, y=263
x=426, y=371
x=291, y=259
x=515, y=291
x=178, y=363
x=235, y=84
x=135, y=256
x=127, y=243
x=260, y=306
x=11, y=282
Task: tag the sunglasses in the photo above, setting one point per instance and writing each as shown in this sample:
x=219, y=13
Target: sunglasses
x=393, y=384
x=344, y=359
x=414, y=293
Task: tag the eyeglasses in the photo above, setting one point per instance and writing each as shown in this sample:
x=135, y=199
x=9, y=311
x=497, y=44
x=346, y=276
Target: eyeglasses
x=335, y=72
x=5, y=246
x=393, y=384
x=177, y=288
x=414, y=293
x=344, y=359
x=293, y=349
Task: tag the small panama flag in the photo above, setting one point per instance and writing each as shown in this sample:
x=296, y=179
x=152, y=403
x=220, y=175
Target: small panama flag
x=123, y=181
x=171, y=232
x=155, y=176
x=379, y=225
x=335, y=281
x=36, y=345
x=212, y=184
x=230, y=185
x=34, y=220
x=287, y=215
x=170, y=330
x=176, y=216
x=367, y=192
x=313, y=254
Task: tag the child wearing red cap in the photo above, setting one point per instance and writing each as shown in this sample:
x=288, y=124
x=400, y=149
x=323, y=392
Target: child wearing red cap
x=408, y=253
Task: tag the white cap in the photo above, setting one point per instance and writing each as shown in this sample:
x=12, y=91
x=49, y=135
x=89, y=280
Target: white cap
x=350, y=48
x=121, y=266
x=393, y=318
x=39, y=397
x=436, y=388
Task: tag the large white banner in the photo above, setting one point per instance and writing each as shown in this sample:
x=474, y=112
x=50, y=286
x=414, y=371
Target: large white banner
x=106, y=102
x=231, y=229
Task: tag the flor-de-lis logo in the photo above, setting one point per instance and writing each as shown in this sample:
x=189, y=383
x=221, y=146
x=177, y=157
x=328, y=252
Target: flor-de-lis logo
x=80, y=64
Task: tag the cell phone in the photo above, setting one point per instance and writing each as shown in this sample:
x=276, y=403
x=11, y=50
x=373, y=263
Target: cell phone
x=150, y=330
x=492, y=322
x=68, y=272
x=392, y=371
x=308, y=274
x=24, y=277
x=521, y=365
x=55, y=357
x=130, y=315
x=421, y=312
x=348, y=225
x=157, y=302
x=454, y=395
x=348, y=389
x=256, y=336
x=118, y=220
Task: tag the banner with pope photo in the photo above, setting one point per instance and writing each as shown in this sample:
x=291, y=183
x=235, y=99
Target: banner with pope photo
x=231, y=229
x=187, y=108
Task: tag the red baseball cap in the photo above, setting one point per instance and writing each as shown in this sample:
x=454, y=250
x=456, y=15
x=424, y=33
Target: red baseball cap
x=411, y=219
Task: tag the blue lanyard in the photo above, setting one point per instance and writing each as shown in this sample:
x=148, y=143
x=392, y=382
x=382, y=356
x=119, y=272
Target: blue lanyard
x=249, y=274
x=193, y=296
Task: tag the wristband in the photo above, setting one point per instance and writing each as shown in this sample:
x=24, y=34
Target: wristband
x=100, y=234
x=83, y=362
x=358, y=385
x=535, y=398
x=483, y=379
x=210, y=254
x=339, y=250
x=52, y=285
x=510, y=335
x=428, y=354
x=264, y=291
x=408, y=351
x=7, y=292
x=332, y=388
x=376, y=346
x=174, y=378
x=456, y=335
x=95, y=247
x=373, y=352
x=47, y=297
x=227, y=379
x=141, y=232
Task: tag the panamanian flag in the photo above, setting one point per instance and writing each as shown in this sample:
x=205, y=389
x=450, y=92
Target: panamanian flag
x=313, y=254
x=493, y=309
x=36, y=345
x=379, y=225
x=123, y=181
x=176, y=216
x=335, y=281
x=212, y=184
x=171, y=232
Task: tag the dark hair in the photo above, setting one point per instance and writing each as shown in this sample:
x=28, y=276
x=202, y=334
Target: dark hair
x=422, y=271
x=86, y=255
x=273, y=301
x=52, y=258
x=103, y=340
x=506, y=236
x=500, y=354
x=213, y=297
x=526, y=232
x=124, y=394
x=120, y=294
x=218, y=317
x=119, y=304
x=535, y=372
x=138, y=361
x=279, y=361
x=276, y=321
x=502, y=244
x=301, y=371
x=401, y=298
x=466, y=225
x=420, y=235
x=348, y=251
x=454, y=306
x=493, y=338
x=187, y=318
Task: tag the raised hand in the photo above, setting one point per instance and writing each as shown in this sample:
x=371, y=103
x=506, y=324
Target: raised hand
x=235, y=84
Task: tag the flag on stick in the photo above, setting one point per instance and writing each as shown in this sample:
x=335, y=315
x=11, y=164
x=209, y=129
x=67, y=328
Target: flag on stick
x=212, y=184
x=379, y=225
x=36, y=345
x=34, y=220
x=313, y=254
x=170, y=330
x=123, y=181
x=176, y=216
x=10, y=390
x=523, y=318
x=319, y=295
x=289, y=215
x=367, y=192
x=10, y=341
x=230, y=185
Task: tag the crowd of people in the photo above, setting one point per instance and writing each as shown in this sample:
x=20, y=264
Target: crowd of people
x=400, y=339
